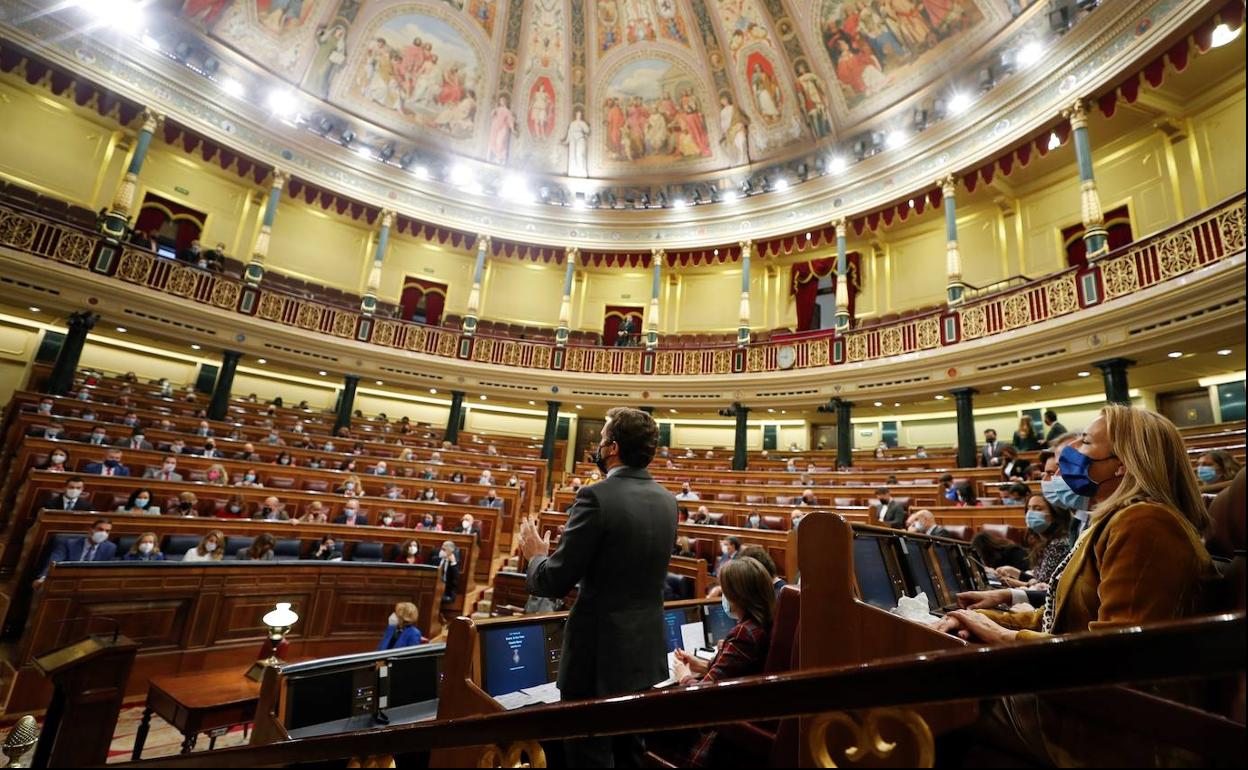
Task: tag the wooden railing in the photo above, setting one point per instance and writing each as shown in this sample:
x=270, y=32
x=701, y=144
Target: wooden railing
x=1198, y=648
x=1202, y=240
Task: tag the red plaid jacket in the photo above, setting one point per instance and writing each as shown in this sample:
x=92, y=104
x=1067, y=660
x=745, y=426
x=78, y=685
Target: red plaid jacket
x=742, y=653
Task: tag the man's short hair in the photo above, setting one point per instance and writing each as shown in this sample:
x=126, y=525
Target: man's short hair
x=1050, y=415
x=990, y=430
x=883, y=491
x=636, y=433
x=98, y=522
x=72, y=479
x=759, y=554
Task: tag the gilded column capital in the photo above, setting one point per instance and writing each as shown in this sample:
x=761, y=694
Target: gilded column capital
x=387, y=218
x=841, y=225
x=657, y=253
x=280, y=178
x=152, y=120
x=573, y=254
x=1077, y=114
x=948, y=186
x=747, y=248
x=483, y=242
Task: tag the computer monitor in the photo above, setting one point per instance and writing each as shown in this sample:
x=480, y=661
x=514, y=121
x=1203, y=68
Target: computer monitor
x=674, y=620
x=412, y=679
x=920, y=574
x=945, y=558
x=875, y=584
x=166, y=251
x=516, y=656
x=718, y=623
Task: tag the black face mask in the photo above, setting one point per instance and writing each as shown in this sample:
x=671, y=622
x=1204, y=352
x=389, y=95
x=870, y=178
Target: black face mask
x=599, y=460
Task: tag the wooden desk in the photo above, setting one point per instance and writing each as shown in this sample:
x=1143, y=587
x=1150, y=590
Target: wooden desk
x=204, y=702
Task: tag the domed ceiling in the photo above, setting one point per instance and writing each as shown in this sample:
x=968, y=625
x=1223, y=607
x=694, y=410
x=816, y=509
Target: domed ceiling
x=609, y=88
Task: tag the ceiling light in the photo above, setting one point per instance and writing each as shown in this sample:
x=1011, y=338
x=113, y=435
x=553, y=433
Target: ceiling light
x=1223, y=34
x=729, y=196
x=1054, y=141
x=1035, y=387
x=896, y=403
x=233, y=87
x=910, y=203
x=879, y=403
x=474, y=188
x=195, y=346
x=1030, y=54
x=322, y=372
x=150, y=43
x=1174, y=354
x=940, y=397
x=781, y=185
x=578, y=406
x=578, y=202
x=673, y=411
x=1084, y=374
x=282, y=103
x=421, y=172
x=121, y=329
x=262, y=360
x=460, y=175
x=1222, y=352
x=958, y=103
x=34, y=309
x=784, y=411
x=532, y=403
x=379, y=382
x=837, y=164
x=771, y=411
x=516, y=189
x=1007, y=387
x=433, y=391
x=364, y=152
x=679, y=203
x=895, y=139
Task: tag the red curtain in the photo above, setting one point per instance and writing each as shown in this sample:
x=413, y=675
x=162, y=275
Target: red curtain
x=805, y=286
x=158, y=212
x=1117, y=224
x=419, y=294
x=615, y=315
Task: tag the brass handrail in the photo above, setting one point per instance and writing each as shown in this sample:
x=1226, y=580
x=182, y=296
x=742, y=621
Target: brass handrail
x=1186, y=649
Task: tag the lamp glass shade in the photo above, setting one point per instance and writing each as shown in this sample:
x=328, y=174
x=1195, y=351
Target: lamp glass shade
x=282, y=617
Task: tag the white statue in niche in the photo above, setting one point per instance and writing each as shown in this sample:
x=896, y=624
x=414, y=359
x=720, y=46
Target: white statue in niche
x=577, y=141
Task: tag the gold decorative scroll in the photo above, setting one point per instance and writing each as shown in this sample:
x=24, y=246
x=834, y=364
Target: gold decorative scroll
x=381, y=760
x=885, y=737
x=135, y=266
x=16, y=230
x=514, y=755
x=74, y=248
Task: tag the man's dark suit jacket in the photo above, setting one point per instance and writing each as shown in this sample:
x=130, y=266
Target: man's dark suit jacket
x=616, y=546
x=97, y=469
x=361, y=519
x=894, y=515
x=73, y=550
x=60, y=502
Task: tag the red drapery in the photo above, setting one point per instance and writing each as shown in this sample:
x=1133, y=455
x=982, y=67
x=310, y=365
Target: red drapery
x=180, y=223
x=424, y=296
x=805, y=285
x=1117, y=224
x=614, y=316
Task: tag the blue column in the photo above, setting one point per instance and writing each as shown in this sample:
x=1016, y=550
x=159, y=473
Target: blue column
x=842, y=278
x=743, y=328
x=565, y=302
x=954, y=288
x=260, y=252
x=474, y=295
x=1095, y=238
x=116, y=220
x=369, y=303
x=652, y=323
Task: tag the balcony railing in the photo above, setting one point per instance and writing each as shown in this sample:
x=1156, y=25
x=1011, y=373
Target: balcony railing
x=1202, y=240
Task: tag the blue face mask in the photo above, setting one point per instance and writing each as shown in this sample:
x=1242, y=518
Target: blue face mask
x=1207, y=474
x=723, y=602
x=951, y=495
x=1059, y=494
x=1074, y=466
x=1037, y=521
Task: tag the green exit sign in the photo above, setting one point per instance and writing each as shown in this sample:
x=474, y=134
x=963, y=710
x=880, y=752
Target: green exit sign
x=182, y=190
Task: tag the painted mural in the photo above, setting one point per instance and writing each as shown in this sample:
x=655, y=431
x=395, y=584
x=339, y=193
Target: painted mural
x=279, y=34
x=874, y=43
x=547, y=28
x=638, y=21
x=651, y=115
x=743, y=24
x=813, y=94
x=417, y=68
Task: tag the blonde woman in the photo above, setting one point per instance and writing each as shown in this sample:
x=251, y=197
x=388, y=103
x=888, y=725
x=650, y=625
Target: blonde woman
x=217, y=475
x=211, y=548
x=401, y=631
x=146, y=548
x=351, y=487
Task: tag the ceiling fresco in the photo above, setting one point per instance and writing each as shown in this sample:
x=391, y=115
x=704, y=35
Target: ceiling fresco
x=608, y=88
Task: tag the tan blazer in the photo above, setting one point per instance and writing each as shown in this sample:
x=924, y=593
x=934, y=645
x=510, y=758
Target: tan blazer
x=1141, y=563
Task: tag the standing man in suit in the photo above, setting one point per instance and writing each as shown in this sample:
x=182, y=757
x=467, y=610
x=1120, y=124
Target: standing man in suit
x=112, y=465
x=94, y=546
x=1054, y=428
x=991, y=453
x=168, y=471
x=888, y=511
x=71, y=499
x=616, y=547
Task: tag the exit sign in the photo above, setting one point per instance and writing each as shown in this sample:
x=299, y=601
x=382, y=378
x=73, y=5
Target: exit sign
x=182, y=190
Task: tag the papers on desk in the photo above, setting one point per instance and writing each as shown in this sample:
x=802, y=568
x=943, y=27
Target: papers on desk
x=543, y=693
x=692, y=636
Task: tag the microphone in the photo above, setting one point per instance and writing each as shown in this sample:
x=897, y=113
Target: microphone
x=23, y=736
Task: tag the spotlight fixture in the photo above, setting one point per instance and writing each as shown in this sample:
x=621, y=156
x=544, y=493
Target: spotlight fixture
x=987, y=78
x=407, y=159
x=515, y=188
x=836, y=164
x=781, y=184
x=879, y=403
x=578, y=201
x=211, y=64
x=433, y=391
x=150, y=43
x=919, y=118
x=387, y=152
x=802, y=171
x=233, y=88
x=1054, y=140
x=860, y=148
x=1035, y=387
x=262, y=361
x=958, y=103
x=323, y=373
x=421, y=172
x=348, y=136
x=1060, y=19
x=364, y=152
x=1084, y=374
x=697, y=196
x=661, y=198
x=33, y=309
x=195, y=346
x=940, y=396
x=1224, y=352
x=282, y=103
x=747, y=188
x=182, y=51
x=121, y=329
x=728, y=196
x=595, y=200
x=325, y=126
x=1223, y=34
x=1174, y=354
x=895, y=139
x=679, y=203
x=1029, y=54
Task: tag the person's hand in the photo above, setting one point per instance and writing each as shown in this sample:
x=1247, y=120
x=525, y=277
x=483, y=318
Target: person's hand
x=973, y=626
x=680, y=669
x=715, y=592
x=692, y=663
x=1009, y=572
x=983, y=600
x=533, y=544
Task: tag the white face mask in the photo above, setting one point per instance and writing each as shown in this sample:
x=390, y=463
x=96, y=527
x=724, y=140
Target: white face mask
x=146, y=547
x=413, y=550
x=58, y=459
x=99, y=536
x=210, y=547
x=72, y=494
x=170, y=466
x=394, y=619
x=387, y=521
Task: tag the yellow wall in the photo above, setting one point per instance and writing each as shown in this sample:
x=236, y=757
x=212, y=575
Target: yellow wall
x=18, y=343
x=314, y=245
x=523, y=292
x=1219, y=141
x=223, y=196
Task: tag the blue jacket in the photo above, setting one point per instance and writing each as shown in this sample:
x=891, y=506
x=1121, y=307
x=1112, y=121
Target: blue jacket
x=97, y=469
x=158, y=556
x=408, y=637
x=74, y=548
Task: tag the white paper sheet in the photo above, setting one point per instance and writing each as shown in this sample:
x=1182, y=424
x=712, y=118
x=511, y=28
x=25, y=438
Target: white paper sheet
x=544, y=693
x=515, y=700
x=692, y=637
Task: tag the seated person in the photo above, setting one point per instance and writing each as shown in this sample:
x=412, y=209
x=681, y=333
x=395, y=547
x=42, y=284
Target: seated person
x=55, y=462
x=491, y=499
x=427, y=521
x=111, y=466
x=283, y=458
x=729, y=550
x=93, y=546
x=248, y=478
x=995, y=550
x=965, y=495
x=70, y=499
x=748, y=596
x=430, y=495
x=1048, y=530
x=248, y=454
x=1016, y=494
x=388, y=518
x=326, y=550
x=235, y=507
x=146, y=548
x=138, y=441
x=271, y=510
x=755, y=521
x=923, y=521
x=427, y=474
x=701, y=516
x=192, y=253
x=886, y=511
x=457, y=477
x=686, y=493
x=795, y=517
x=409, y=553
x=46, y=405
x=97, y=437
x=393, y=491
x=351, y=515
x=210, y=548
x=188, y=504
x=168, y=470
x=380, y=469
x=1013, y=467
x=1216, y=470
x=261, y=549
x=350, y=487
x=469, y=526
x=204, y=429
x=53, y=430
x=316, y=513
x=401, y=631
x=486, y=478
x=210, y=450
x=808, y=498
x=683, y=548
x=139, y=502
x=217, y=475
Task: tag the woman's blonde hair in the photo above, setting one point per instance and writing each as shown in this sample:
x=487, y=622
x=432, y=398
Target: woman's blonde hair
x=749, y=588
x=407, y=613
x=1155, y=460
x=217, y=554
x=223, y=476
x=134, y=549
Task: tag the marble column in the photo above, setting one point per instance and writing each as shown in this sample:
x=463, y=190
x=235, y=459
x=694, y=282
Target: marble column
x=740, y=437
x=116, y=220
x=260, y=252
x=954, y=288
x=346, y=401
x=844, y=433
x=368, y=305
x=652, y=321
x=452, y=421
x=1114, y=371
x=1095, y=238
x=474, y=295
x=968, y=449
x=743, y=327
x=842, y=278
x=565, y=302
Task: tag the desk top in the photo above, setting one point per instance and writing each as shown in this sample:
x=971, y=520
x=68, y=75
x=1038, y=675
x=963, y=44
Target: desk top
x=208, y=689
